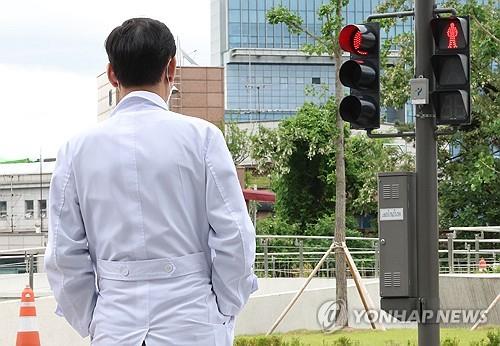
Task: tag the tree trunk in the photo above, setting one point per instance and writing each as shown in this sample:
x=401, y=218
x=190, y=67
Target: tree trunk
x=340, y=199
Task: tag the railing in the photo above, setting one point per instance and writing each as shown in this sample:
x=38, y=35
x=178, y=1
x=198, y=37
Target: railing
x=20, y=261
x=296, y=256
x=463, y=255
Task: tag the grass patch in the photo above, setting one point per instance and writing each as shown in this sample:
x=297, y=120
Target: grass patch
x=391, y=337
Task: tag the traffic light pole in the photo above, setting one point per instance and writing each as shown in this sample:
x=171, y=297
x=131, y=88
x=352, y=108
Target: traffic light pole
x=427, y=196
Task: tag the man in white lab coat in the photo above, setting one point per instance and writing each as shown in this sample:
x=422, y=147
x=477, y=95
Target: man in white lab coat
x=150, y=241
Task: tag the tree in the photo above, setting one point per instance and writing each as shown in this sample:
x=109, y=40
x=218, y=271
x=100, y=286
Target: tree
x=364, y=159
x=300, y=157
x=331, y=14
x=238, y=142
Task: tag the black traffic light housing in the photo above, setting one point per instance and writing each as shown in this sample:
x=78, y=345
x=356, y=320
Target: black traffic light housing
x=361, y=74
x=451, y=67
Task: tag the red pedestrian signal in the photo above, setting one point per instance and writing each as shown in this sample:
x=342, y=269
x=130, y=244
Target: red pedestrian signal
x=361, y=74
x=452, y=34
x=451, y=67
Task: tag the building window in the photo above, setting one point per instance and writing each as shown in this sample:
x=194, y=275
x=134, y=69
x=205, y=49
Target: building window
x=316, y=80
x=110, y=97
x=42, y=208
x=29, y=210
x=3, y=209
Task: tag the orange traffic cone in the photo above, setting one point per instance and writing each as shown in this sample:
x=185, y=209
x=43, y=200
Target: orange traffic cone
x=27, y=335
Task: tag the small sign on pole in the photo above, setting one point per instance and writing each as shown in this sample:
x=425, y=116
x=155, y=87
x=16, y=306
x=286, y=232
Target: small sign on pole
x=419, y=91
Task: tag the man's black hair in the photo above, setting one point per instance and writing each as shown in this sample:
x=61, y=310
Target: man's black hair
x=139, y=51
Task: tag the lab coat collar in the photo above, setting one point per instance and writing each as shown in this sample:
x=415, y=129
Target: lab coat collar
x=134, y=96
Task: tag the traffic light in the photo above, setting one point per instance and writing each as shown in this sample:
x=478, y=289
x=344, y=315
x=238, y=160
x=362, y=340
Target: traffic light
x=451, y=66
x=361, y=74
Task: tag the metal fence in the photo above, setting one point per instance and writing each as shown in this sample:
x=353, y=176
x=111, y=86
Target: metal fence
x=21, y=261
x=296, y=256
x=465, y=246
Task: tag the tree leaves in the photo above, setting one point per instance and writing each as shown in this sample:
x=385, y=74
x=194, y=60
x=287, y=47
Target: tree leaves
x=300, y=158
x=238, y=142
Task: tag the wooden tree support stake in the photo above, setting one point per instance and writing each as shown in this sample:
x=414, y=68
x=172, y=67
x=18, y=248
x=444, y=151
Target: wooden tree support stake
x=363, y=293
x=365, y=298
x=493, y=303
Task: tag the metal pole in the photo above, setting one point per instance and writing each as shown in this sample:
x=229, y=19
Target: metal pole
x=273, y=262
x=467, y=246
x=476, y=247
x=301, y=258
x=254, y=212
x=450, y=253
x=11, y=204
x=266, y=259
x=41, y=195
x=377, y=259
x=427, y=198
x=31, y=270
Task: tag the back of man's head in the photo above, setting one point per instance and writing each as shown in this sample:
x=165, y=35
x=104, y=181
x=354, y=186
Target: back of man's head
x=139, y=51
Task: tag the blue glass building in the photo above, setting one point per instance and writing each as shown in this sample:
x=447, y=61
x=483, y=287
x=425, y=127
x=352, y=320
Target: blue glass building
x=266, y=73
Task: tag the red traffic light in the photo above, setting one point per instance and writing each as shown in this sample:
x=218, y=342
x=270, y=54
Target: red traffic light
x=357, y=39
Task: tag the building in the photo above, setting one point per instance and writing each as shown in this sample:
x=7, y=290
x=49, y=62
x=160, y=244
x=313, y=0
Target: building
x=199, y=92
x=266, y=72
x=24, y=191
x=107, y=97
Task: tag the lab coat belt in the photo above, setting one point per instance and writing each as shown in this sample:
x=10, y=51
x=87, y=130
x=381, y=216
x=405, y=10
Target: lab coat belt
x=153, y=269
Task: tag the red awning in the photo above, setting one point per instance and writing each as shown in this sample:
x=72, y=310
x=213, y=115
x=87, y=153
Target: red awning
x=259, y=195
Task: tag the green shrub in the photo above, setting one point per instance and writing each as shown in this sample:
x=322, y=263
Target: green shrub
x=392, y=343
x=450, y=342
x=344, y=341
x=266, y=341
x=492, y=339
x=276, y=225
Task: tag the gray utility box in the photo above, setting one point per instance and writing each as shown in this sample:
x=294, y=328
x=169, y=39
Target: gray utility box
x=397, y=241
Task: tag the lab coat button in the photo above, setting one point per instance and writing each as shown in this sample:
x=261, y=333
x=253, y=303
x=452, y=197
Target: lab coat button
x=168, y=268
x=124, y=271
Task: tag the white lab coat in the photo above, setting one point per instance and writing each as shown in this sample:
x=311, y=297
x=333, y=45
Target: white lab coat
x=149, y=236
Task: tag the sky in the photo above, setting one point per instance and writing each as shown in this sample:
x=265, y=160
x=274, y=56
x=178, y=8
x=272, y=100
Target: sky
x=51, y=53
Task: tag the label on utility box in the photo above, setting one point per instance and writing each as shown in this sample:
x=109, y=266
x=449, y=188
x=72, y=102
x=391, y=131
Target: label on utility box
x=391, y=214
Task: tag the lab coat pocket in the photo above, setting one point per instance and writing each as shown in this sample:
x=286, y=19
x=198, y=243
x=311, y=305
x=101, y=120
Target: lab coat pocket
x=215, y=316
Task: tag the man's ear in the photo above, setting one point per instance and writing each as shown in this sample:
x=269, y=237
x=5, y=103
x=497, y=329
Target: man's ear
x=111, y=76
x=171, y=70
